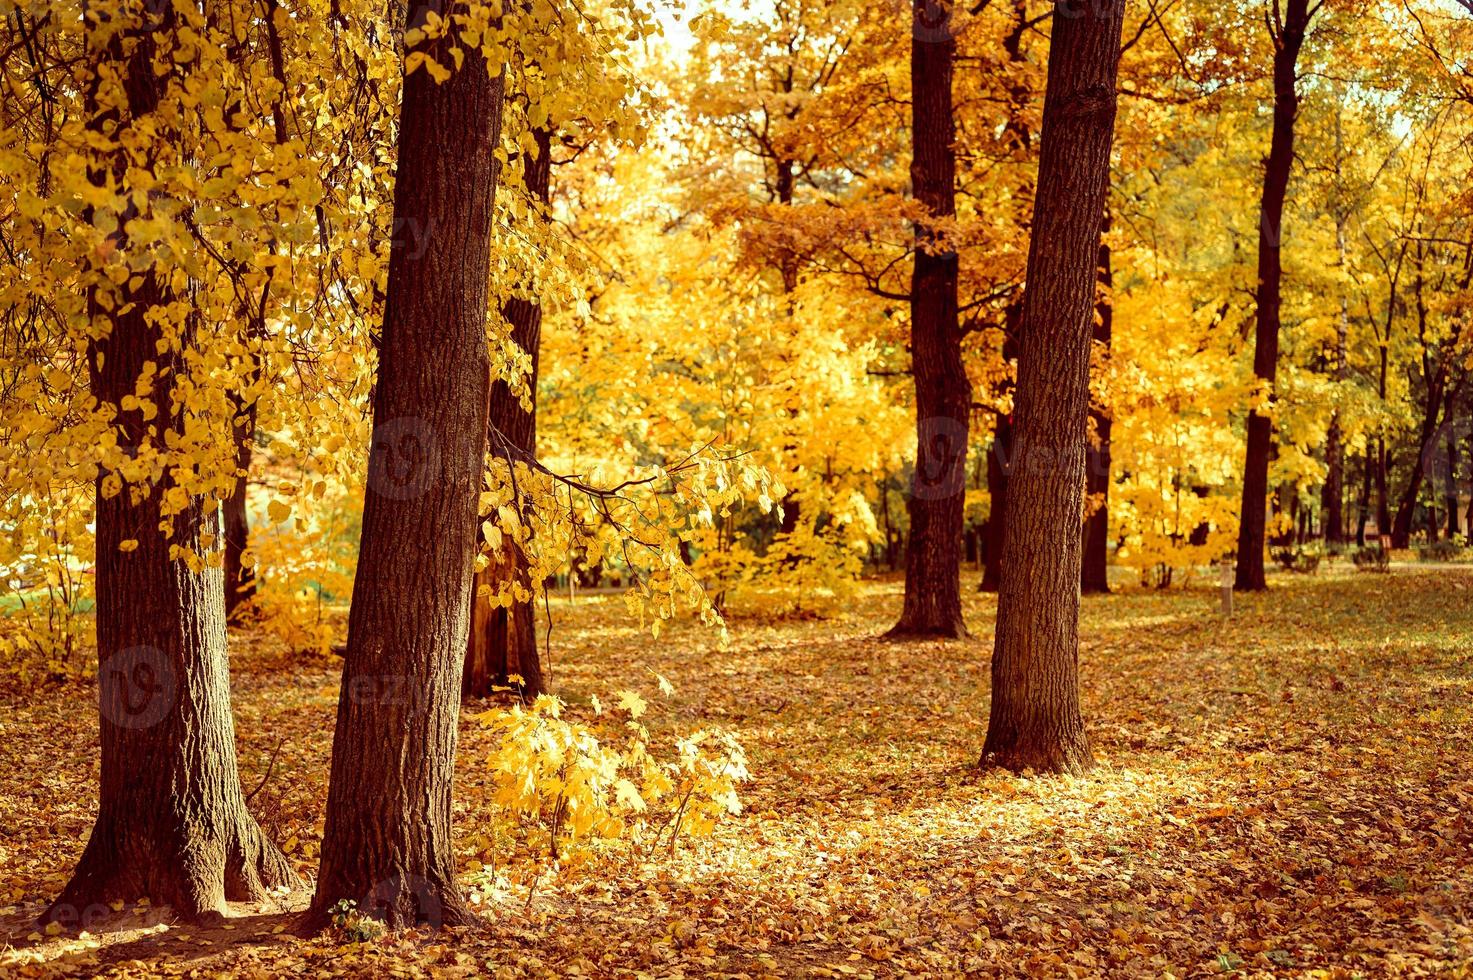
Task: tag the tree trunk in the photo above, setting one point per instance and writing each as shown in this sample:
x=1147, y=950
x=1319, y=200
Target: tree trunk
x=503, y=639
x=1035, y=721
x=1364, y=506
x=1018, y=136
x=240, y=581
x=999, y=463
x=1450, y=484
x=387, y=841
x=1332, y=495
x=1095, y=574
x=1434, y=376
x=933, y=602
x=1253, y=515
x=1383, y=492
x=172, y=824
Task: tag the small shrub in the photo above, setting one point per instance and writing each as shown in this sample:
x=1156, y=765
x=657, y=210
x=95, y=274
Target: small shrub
x=1440, y=551
x=1301, y=559
x=355, y=926
x=565, y=787
x=1372, y=558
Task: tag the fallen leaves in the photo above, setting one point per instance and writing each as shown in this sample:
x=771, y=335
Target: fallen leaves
x=1246, y=815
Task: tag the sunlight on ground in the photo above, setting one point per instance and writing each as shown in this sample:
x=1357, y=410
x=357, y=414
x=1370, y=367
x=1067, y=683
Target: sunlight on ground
x=1283, y=792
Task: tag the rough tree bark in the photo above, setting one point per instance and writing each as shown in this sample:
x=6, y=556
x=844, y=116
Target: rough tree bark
x=1035, y=721
x=387, y=841
x=1095, y=570
x=1288, y=27
x=933, y=602
x=172, y=824
x=503, y=640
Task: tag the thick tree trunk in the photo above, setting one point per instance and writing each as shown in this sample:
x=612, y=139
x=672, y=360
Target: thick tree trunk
x=1095, y=571
x=1254, y=511
x=933, y=602
x=387, y=842
x=1035, y=721
x=240, y=581
x=503, y=639
x=172, y=824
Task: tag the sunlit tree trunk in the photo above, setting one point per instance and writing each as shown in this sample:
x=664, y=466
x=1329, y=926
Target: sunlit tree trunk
x=933, y=604
x=1290, y=26
x=503, y=640
x=172, y=824
x=387, y=843
x=1035, y=720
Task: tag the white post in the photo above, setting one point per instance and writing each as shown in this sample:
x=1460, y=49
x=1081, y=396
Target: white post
x=1229, y=567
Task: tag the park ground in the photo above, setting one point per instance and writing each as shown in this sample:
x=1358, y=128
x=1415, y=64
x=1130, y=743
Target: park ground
x=1288, y=792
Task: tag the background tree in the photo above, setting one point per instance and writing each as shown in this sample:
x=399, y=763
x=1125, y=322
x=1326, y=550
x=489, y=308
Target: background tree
x=1288, y=27
x=933, y=605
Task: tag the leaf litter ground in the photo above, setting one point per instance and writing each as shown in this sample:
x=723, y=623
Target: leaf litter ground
x=1285, y=793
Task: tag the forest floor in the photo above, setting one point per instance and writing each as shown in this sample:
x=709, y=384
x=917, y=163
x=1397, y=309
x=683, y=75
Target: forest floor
x=1285, y=793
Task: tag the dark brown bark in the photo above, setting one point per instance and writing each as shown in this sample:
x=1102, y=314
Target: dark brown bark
x=240, y=581
x=1364, y=504
x=999, y=463
x=933, y=602
x=503, y=639
x=172, y=824
x=1018, y=138
x=1095, y=569
x=1439, y=397
x=387, y=842
x=1035, y=720
x=1252, y=526
x=1332, y=495
x=1450, y=483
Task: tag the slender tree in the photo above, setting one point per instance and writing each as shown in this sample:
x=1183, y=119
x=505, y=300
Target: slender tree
x=1035, y=721
x=240, y=580
x=1288, y=26
x=933, y=602
x=387, y=840
x=172, y=824
x=1095, y=569
x=1018, y=139
x=503, y=639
